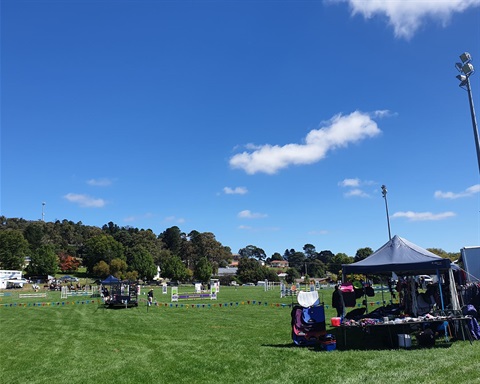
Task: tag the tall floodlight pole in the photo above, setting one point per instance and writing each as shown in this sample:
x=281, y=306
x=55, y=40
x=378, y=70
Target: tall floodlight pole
x=43, y=211
x=466, y=70
x=384, y=194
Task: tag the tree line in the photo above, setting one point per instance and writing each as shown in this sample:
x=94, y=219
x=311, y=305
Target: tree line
x=133, y=253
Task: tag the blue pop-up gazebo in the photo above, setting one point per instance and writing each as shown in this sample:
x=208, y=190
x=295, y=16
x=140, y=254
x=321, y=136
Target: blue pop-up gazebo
x=405, y=259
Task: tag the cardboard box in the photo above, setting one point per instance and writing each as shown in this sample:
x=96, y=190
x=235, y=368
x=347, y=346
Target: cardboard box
x=404, y=340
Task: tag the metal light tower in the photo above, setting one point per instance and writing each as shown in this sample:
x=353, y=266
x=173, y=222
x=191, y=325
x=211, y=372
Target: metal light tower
x=384, y=194
x=43, y=211
x=466, y=70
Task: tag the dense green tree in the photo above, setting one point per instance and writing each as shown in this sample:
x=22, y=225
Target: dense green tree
x=67, y=235
x=173, y=239
x=325, y=257
x=174, y=269
x=335, y=266
x=453, y=256
x=101, y=269
x=14, y=223
x=118, y=268
x=250, y=270
x=162, y=256
x=13, y=249
x=270, y=274
x=34, y=233
x=131, y=275
x=203, y=270
x=223, y=264
x=292, y=275
x=276, y=256
x=111, y=228
x=43, y=261
x=253, y=251
x=297, y=260
x=309, y=251
x=316, y=268
x=102, y=247
x=188, y=254
x=148, y=240
x=140, y=260
x=362, y=253
x=206, y=245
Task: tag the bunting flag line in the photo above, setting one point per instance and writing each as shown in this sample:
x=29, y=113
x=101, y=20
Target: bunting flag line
x=166, y=305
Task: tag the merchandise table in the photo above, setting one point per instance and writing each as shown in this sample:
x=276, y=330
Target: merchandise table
x=386, y=333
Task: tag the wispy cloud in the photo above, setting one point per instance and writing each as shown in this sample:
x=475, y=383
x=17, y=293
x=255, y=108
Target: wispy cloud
x=423, y=216
x=336, y=133
x=407, y=16
x=473, y=190
x=356, y=193
x=103, y=182
x=355, y=184
x=140, y=217
x=318, y=232
x=85, y=200
x=235, y=191
x=349, y=183
x=247, y=214
x=258, y=229
x=178, y=220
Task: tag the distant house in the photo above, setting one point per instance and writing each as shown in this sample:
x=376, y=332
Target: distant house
x=279, y=264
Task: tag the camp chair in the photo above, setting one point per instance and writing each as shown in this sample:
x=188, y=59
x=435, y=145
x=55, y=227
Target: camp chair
x=308, y=325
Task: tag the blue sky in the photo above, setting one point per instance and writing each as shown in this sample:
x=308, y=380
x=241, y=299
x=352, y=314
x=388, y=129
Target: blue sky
x=271, y=123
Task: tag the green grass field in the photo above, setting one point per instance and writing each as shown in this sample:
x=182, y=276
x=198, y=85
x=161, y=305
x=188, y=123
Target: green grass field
x=246, y=340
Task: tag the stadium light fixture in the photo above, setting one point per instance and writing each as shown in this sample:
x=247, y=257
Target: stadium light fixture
x=467, y=69
x=384, y=194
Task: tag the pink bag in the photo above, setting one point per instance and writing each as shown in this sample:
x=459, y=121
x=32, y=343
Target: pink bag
x=347, y=287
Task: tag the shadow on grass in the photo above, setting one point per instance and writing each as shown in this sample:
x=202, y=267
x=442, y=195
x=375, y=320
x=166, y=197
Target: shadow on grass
x=355, y=346
x=286, y=345
x=313, y=348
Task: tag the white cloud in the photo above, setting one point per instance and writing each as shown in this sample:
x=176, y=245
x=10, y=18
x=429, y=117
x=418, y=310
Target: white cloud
x=318, y=232
x=85, y=200
x=356, y=193
x=258, y=229
x=179, y=220
x=407, y=16
x=235, y=191
x=423, y=216
x=355, y=184
x=349, y=183
x=247, y=214
x=337, y=133
x=100, y=182
x=474, y=189
x=136, y=218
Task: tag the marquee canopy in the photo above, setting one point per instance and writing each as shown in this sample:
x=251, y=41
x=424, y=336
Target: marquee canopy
x=400, y=256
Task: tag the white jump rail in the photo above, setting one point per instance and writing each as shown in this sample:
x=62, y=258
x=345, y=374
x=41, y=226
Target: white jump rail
x=24, y=295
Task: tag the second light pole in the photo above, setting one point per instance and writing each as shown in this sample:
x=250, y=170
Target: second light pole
x=466, y=69
x=384, y=194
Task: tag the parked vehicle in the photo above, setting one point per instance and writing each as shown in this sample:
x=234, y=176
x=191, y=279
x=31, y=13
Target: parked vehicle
x=69, y=279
